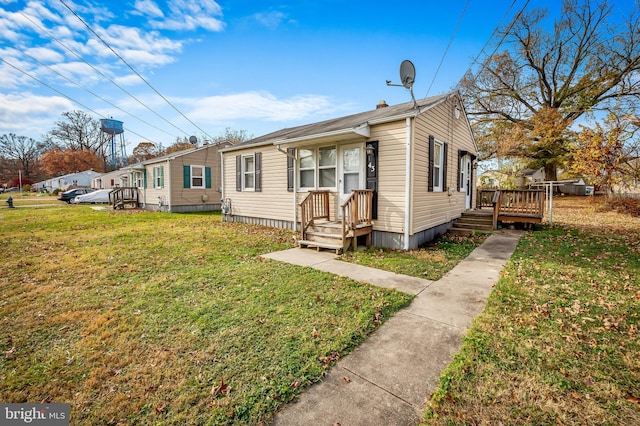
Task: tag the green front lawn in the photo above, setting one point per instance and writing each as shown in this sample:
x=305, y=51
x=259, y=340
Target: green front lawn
x=558, y=342
x=157, y=318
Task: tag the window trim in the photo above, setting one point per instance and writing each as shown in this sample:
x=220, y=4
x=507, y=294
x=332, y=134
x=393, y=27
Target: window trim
x=192, y=177
x=438, y=165
x=316, y=168
x=245, y=173
x=158, y=177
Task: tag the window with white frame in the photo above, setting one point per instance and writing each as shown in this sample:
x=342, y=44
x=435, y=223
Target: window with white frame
x=248, y=173
x=158, y=177
x=327, y=167
x=197, y=176
x=307, y=168
x=437, y=166
x=138, y=178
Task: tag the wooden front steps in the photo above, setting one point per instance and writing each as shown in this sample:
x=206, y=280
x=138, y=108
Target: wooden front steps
x=473, y=220
x=324, y=234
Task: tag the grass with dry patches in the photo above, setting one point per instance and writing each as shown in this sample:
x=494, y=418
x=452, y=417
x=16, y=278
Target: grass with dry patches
x=157, y=318
x=430, y=262
x=558, y=342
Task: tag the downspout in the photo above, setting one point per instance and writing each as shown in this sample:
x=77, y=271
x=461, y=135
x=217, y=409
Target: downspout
x=169, y=180
x=222, y=179
x=407, y=179
x=295, y=186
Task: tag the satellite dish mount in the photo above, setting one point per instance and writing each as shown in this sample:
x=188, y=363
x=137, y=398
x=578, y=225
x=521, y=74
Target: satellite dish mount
x=407, y=77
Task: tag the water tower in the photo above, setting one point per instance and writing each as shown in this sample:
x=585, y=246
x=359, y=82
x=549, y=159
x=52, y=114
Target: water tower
x=114, y=132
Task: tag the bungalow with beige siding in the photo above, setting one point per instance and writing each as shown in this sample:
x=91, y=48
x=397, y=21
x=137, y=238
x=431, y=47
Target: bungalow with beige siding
x=183, y=181
x=408, y=168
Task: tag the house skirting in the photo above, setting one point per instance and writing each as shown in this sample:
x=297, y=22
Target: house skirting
x=274, y=223
x=183, y=209
x=394, y=240
x=385, y=239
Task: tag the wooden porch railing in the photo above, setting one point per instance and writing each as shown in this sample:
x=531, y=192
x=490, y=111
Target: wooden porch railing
x=357, y=214
x=119, y=197
x=485, y=198
x=518, y=205
x=314, y=206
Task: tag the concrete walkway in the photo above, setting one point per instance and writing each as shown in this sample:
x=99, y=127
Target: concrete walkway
x=388, y=379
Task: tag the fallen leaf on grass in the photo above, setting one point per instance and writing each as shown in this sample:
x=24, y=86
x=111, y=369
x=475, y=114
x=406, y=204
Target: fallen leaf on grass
x=219, y=389
x=160, y=408
x=634, y=399
x=347, y=379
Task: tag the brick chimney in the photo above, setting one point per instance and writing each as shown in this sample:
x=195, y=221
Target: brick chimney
x=382, y=104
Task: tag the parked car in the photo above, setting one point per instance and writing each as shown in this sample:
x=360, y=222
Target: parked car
x=69, y=195
x=99, y=196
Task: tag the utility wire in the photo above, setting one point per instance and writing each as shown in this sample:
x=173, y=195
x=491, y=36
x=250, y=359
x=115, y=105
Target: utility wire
x=132, y=69
x=448, y=46
x=65, y=96
x=93, y=93
x=508, y=29
x=97, y=70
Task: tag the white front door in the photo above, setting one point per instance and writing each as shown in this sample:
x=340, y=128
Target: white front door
x=465, y=180
x=350, y=172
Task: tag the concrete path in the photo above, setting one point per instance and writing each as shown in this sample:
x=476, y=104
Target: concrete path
x=388, y=379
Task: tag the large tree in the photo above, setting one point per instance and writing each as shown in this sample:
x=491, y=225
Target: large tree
x=525, y=98
x=57, y=161
x=77, y=132
x=23, y=150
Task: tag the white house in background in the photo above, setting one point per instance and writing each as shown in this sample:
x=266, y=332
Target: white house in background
x=65, y=182
x=110, y=180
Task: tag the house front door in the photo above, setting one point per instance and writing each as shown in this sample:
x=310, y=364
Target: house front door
x=465, y=180
x=350, y=172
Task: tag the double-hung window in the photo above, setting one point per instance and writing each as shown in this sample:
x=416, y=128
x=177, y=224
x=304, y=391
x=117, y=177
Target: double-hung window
x=317, y=167
x=197, y=176
x=327, y=167
x=158, y=177
x=437, y=166
x=307, y=169
x=248, y=173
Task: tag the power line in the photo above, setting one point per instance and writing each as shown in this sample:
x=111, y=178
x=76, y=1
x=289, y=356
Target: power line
x=64, y=95
x=98, y=71
x=93, y=93
x=448, y=46
x=132, y=69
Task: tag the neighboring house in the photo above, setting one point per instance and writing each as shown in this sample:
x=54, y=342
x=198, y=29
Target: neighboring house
x=419, y=162
x=65, y=182
x=492, y=179
x=184, y=181
x=110, y=180
x=528, y=176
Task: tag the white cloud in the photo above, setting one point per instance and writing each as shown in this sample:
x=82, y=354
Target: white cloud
x=189, y=15
x=44, y=54
x=30, y=115
x=259, y=106
x=147, y=8
x=141, y=48
x=271, y=20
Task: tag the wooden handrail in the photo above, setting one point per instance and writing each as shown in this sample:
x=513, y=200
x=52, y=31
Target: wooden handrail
x=314, y=206
x=485, y=198
x=525, y=203
x=125, y=194
x=357, y=210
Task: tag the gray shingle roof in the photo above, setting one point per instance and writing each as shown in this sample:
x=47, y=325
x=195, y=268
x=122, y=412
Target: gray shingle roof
x=347, y=122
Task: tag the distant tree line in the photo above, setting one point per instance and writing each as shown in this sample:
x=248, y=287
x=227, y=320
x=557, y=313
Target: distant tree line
x=76, y=143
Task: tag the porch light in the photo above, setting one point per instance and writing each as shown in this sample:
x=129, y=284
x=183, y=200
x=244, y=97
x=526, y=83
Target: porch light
x=370, y=149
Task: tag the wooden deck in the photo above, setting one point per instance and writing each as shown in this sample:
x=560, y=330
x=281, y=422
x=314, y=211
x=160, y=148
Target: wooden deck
x=320, y=229
x=518, y=205
x=124, y=197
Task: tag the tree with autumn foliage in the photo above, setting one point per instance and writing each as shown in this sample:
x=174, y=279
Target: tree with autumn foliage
x=58, y=161
x=606, y=153
x=524, y=99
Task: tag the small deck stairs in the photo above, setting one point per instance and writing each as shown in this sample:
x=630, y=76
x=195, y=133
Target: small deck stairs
x=324, y=235
x=471, y=221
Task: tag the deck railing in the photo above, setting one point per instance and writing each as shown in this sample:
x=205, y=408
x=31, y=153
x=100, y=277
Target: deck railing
x=124, y=195
x=314, y=206
x=357, y=209
x=485, y=198
x=518, y=205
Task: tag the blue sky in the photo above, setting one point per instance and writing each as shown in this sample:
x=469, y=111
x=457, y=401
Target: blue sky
x=255, y=65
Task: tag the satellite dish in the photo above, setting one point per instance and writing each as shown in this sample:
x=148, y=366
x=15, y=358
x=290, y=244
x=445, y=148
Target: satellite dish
x=407, y=73
x=407, y=77
x=193, y=140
